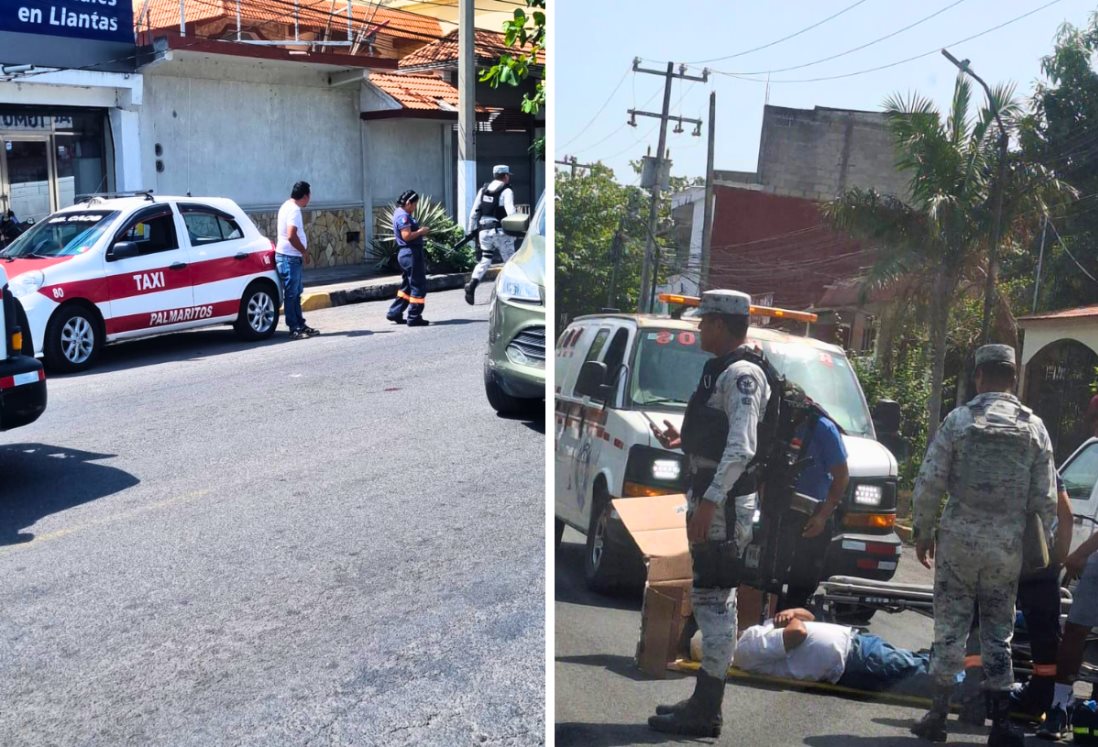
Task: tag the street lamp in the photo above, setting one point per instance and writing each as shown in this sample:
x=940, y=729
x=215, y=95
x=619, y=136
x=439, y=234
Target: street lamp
x=993, y=250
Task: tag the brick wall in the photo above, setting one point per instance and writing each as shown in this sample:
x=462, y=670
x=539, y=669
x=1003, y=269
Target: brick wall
x=327, y=231
x=770, y=243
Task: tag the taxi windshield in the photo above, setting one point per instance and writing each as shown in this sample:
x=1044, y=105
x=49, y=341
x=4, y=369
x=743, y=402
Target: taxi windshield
x=61, y=235
x=668, y=363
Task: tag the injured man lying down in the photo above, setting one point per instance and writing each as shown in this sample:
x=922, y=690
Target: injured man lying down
x=793, y=645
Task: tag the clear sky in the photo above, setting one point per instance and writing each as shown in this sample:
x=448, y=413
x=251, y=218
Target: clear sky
x=596, y=41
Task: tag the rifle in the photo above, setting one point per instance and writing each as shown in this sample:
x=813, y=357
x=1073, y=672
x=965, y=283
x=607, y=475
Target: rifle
x=469, y=237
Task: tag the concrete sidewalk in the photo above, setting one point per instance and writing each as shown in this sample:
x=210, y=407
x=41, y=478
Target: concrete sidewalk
x=338, y=286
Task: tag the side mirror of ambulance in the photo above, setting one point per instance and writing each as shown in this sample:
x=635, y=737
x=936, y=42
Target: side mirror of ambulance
x=122, y=250
x=516, y=225
x=591, y=379
x=886, y=421
x=886, y=417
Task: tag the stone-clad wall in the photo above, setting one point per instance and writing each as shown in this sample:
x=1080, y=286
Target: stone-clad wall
x=327, y=231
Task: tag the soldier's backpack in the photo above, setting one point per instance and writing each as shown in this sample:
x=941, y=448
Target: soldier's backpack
x=994, y=458
x=778, y=463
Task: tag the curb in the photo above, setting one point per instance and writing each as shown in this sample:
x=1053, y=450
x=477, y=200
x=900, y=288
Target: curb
x=384, y=291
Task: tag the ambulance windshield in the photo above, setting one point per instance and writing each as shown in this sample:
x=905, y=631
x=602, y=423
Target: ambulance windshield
x=669, y=361
x=61, y=235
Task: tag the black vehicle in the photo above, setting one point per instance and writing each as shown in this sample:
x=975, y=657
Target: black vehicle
x=22, y=379
x=11, y=228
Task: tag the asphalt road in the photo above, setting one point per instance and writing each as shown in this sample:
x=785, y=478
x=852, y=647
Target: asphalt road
x=313, y=542
x=603, y=700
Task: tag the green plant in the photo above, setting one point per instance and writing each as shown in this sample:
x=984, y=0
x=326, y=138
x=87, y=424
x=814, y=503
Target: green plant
x=937, y=235
x=909, y=386
x=438, y=245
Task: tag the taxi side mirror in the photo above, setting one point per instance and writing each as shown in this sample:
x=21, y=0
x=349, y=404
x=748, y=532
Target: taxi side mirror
x=122, y=250
x=516, y=225
x=591, y=379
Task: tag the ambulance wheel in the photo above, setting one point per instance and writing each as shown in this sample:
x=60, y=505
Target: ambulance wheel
x=612, y=563
x=74, y=338
x=258, y=317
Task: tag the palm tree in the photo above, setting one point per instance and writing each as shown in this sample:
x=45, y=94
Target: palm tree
x=936, y=237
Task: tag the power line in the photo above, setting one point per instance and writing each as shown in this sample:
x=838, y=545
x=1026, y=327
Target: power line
x=778, y=41
x=583, y=130
x=897, y=62
x=1068, y=251
x=860, y=47
x=619, y=127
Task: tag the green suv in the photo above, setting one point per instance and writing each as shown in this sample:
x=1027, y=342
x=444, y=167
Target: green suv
x=514, y=368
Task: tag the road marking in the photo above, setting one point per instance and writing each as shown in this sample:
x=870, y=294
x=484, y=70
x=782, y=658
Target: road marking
x=66, y=531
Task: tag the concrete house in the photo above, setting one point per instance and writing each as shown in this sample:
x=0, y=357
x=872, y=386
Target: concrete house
x=769, y=238
x=242, y=99
x=507, y=134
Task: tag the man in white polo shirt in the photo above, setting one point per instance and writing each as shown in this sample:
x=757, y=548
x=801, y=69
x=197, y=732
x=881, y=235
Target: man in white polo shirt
x=290, y=250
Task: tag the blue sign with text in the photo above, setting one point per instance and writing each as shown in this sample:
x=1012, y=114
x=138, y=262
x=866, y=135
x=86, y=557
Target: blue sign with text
x=98, y=20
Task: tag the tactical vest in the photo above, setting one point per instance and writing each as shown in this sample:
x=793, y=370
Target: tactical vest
x=993, y=458
x=705, y=428
x=490, y=206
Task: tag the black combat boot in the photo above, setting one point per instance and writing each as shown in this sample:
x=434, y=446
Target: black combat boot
x=932, y=726
x=668, y=709
x=699, y=715
x=974, y=702
x=1004, y=732
x=470, y=289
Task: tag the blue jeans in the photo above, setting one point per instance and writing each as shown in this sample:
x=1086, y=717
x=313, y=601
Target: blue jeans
x=289, y=269
x=876, y=665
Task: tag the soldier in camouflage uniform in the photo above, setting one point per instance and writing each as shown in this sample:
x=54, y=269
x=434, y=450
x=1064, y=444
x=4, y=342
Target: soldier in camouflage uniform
x=994, y=459
x=719, y=436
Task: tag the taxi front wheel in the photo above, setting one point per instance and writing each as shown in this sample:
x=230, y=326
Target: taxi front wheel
x=73, y=339
x=258, y=315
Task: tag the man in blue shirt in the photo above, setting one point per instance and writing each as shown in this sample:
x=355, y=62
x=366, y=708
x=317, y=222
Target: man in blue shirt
x=824, y=478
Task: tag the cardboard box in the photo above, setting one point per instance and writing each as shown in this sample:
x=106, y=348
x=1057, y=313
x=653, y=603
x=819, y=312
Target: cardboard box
x=658, y=526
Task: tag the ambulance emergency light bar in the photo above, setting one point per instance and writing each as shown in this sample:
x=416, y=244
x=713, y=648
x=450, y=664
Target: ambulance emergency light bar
x=771, y=311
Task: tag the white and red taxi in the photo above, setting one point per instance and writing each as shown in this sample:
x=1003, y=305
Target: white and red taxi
x=116, y=268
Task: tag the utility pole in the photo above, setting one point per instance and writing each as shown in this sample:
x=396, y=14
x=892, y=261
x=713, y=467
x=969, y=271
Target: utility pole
x=997, y=200
x=649, y=272
x=574, y=163
x=707, y=223
x=467, y=121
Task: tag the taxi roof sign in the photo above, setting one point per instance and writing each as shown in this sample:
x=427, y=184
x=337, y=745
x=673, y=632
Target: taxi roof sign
x=771, y=311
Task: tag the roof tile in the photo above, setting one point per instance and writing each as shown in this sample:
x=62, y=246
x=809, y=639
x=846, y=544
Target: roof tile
x=488, y=46
x=1076, y=313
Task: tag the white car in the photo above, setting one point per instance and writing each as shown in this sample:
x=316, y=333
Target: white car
x=116, y=268
x=1080, y=475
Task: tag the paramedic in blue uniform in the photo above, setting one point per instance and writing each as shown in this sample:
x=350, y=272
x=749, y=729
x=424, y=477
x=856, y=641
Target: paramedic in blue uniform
x=824, y=478
x=413, y=287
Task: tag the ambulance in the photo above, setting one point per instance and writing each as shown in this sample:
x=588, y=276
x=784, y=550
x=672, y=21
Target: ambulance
x=113, y=268
x=22, y=379
x=618, y=373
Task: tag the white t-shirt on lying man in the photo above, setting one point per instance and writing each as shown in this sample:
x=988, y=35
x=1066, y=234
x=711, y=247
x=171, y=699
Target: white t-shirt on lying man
x=820, y=658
